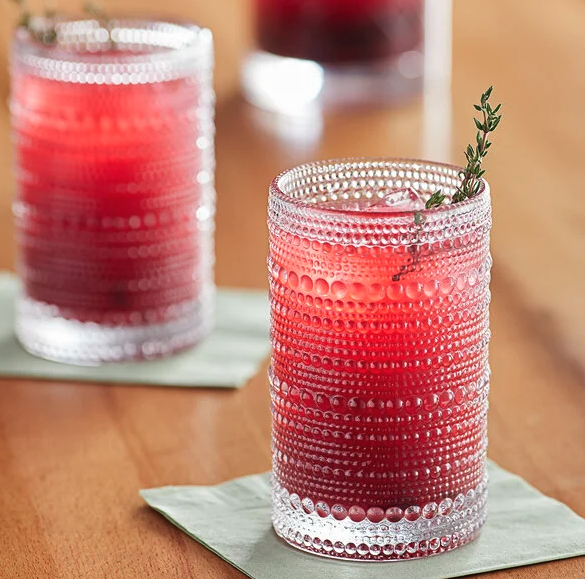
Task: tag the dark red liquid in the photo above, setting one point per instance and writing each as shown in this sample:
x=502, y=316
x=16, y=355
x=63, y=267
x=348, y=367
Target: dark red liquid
x=107, y=197
x=339, y=31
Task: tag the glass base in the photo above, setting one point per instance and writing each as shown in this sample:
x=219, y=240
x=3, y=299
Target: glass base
x=418, y=533
x=44, y=333
x=295, y=86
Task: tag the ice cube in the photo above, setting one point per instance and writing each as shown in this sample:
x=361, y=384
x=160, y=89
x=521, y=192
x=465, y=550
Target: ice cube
x=351, y=204
x=397, y=199
x=401, y=199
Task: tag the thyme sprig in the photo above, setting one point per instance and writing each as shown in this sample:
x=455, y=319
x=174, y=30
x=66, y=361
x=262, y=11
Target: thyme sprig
x=435, y=200
x=472, y=174
x=45, y=31
x=470, y=177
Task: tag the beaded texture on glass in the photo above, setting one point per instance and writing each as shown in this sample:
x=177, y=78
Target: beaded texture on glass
x=115, y=197
x=379, y=373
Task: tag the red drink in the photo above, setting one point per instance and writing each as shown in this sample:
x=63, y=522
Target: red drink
x=340, y=31
x=115, y=190
x=379, y=372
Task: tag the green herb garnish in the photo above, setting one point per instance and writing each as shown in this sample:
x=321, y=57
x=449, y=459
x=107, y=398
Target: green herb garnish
x=45, y=30
x=435, y=200
x=473, y=172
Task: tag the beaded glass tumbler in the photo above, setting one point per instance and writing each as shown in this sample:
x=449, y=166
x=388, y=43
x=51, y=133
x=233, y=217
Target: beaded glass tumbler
x=379, y=375
x=113, y=133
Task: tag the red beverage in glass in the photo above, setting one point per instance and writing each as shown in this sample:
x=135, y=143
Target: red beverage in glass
x=114, y=152
x=379, y=374
x=339, y=31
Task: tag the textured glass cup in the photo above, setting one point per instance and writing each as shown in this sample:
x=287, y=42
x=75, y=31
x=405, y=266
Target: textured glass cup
x=335, y=53
x=379, y=374
x=115, y=200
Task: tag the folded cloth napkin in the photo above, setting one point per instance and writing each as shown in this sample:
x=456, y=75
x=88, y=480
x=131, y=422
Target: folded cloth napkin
x=233, y=520
x=227, y=358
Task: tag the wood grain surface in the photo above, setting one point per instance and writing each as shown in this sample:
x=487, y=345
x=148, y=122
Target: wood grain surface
x=73, y=456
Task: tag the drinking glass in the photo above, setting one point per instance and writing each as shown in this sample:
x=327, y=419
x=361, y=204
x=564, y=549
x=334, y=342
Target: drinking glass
x=379, y=374
x=335, y=53
x=113, y=134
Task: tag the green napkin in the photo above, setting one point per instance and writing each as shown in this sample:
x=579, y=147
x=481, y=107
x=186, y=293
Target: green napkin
x=233, y=521
x=227, y=358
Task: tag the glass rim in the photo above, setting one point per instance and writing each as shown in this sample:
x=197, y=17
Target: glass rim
x=156, y=49
x=446, y=210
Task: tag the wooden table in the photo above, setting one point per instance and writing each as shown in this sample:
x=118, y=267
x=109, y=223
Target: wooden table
x=73, y=456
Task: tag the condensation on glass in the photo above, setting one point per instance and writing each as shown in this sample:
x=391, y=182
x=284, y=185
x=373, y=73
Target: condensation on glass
x=113, y=134
x=379, y=373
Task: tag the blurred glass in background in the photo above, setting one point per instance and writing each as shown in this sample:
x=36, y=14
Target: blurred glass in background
x=114, y=208
x=335, y=53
